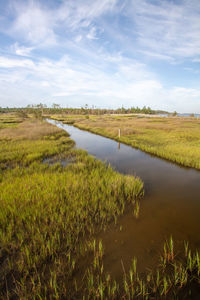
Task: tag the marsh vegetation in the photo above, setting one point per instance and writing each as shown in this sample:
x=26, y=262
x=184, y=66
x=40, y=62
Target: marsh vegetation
x=50, y=219
x=49, y=214
x=173, y=138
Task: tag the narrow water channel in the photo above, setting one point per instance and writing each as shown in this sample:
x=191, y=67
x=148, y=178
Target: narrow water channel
x=171, y=205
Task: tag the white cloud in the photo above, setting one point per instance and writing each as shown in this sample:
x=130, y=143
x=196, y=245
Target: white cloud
x=163, y=30
x=101, y=40
x=167, y=28
x=33, y=23
x=65, y=79
x=92, y=35
x=80, y=13
x=21, y=50
x=157, y=55
x=184, y=99
x=78, y=38
x=133, y=71
x=38, y=24
x=6, y=62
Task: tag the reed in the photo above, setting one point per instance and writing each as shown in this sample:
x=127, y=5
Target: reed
x=172, y=138
x=174, y=280
x=49, y=219
x=50, y=214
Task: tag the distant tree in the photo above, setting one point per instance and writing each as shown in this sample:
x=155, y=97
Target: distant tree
x=86, y=109
x=123, y=110
x=41, y=107
x=55, y=106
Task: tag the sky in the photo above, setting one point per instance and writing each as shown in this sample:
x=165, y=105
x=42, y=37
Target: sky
x=103, y=53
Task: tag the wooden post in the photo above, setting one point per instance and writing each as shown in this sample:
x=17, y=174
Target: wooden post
x=119, y=134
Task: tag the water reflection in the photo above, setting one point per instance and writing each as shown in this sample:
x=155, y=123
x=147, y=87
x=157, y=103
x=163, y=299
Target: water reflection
x=171, y=204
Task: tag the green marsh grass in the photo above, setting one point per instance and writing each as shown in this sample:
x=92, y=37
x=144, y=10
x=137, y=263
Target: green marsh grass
x=178, y=278
x=172, y=138
x=49, y=218
x=9, y=120
x=49, y=213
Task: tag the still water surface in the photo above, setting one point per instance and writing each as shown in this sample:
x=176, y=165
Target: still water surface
x=171, y=205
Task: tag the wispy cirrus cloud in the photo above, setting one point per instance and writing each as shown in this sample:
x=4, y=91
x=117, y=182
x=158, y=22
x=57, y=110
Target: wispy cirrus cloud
x=31, y=23
x=103, y=52
x=161, y=29
x=167, y=28
x=38, y=23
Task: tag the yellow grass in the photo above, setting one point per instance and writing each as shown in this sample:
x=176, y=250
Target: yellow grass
x=173, y=138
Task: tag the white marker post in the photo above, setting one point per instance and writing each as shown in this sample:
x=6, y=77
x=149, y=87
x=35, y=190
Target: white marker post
x=119, y=134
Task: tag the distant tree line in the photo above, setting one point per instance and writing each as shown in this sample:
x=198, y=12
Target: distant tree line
x=42, y=109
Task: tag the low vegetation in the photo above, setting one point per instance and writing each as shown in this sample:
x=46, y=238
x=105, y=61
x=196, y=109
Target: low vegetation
x=49, y=213
x=177, y=277
x=86, y=110
x=173, y=138
x=9, y=120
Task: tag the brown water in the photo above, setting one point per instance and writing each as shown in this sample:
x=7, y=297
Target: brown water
x=171, y=205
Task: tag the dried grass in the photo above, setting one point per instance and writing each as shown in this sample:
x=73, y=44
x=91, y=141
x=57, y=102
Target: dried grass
x=29, y=129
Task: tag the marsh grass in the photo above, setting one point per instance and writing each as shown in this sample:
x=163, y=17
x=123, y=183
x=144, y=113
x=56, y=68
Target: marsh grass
x=49, y=219
x=176, y=277
x=8, y=120
x=49, y=213
x=173, y=138
x=30, y=141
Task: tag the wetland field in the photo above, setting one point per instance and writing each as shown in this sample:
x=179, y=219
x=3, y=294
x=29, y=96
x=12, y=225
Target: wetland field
x=173, y=138
x=87, y=217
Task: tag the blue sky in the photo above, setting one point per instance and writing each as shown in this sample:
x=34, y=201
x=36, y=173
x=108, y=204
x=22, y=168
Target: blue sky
x=105, y=53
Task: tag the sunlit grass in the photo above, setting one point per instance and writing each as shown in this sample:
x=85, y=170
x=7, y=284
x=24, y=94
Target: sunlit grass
x=8, y=120
x=30, y=141
x=175, y=139
x=49, y=213
x=50, y=216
